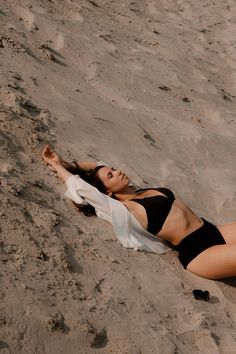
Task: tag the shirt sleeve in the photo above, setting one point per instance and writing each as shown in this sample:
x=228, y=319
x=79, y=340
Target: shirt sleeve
x=77, y=188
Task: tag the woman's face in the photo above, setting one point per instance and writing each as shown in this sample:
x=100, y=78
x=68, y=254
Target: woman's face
x=114, y=180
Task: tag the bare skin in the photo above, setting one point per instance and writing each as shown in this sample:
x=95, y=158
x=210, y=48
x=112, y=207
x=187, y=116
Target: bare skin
x=214, y=263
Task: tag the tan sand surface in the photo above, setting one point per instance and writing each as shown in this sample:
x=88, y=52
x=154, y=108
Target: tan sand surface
x=148, y=86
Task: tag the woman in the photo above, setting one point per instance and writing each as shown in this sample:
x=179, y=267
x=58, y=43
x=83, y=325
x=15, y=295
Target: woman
x=147, y=218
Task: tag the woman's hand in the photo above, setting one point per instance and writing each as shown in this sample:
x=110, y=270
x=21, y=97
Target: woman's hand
x=49, y=157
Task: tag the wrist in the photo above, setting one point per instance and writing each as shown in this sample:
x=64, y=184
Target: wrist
x=55, y=164
x=75, y=164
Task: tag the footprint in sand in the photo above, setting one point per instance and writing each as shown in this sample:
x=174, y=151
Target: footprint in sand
x=91, y=70
x=87, y=65
x=59, y=41
x=77, y=17
x=26, y=16
x=54, y=37
x=28, y=19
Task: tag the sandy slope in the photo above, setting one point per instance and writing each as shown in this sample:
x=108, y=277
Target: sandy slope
x=148, y=86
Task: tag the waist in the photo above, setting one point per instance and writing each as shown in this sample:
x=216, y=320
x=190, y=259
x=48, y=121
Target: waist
x=180, y=223
x=204, y=223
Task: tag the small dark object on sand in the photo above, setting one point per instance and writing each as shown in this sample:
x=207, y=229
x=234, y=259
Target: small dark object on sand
x=186, y=99
x=201, y=295
x=164, y=88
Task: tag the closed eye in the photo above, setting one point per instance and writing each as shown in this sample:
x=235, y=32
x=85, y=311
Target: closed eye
x=110, y=174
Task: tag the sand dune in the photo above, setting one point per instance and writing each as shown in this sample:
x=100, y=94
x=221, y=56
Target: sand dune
x=148, y=86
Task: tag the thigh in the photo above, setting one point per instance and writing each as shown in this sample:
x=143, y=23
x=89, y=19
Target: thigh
x=216, y=262
x=228, y=232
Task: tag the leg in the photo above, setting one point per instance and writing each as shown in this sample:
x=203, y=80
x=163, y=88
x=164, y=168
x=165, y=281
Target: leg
x=216, y=262
x=228, y=231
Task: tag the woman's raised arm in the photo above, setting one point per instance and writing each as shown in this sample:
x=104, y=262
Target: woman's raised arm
x=59, y=165
x=77, y=187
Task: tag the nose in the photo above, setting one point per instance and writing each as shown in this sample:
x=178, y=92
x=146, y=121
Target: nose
x=118, y=172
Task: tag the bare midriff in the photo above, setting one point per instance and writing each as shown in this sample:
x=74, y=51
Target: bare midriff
x=180, y=222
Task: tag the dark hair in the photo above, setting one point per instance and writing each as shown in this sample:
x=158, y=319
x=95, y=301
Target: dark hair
x=92, y=178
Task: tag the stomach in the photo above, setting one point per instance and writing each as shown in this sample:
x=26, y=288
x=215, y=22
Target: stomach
x=180, y=222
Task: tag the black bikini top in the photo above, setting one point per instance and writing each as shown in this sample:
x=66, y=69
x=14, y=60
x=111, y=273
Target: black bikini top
x=157, y=208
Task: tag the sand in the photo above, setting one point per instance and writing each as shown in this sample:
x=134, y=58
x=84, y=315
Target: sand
x=149, y=87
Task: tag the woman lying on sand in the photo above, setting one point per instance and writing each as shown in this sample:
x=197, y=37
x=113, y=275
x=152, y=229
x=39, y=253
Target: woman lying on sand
x=146, y=218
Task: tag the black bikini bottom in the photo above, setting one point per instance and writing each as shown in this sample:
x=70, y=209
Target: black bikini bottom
x=198, y=241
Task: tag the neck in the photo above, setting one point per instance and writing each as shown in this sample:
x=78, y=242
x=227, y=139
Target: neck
x=126, y=194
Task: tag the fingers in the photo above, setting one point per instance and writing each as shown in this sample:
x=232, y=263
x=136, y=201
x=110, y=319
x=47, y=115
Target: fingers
x=46, y=147
x=46, y=153
x=48, y=156
x=45, y=150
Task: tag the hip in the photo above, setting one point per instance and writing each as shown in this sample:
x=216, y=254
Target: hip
x=207, y=235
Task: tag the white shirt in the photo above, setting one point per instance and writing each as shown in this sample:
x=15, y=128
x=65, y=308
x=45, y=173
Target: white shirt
x=126, y=227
